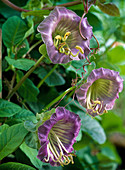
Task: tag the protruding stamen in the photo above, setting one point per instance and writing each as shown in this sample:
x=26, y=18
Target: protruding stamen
x=62, y=46
x=58, y=155
x=67, y=34
x=96, y=106
x=80, y=49
x=67, y=51
x=58, y=37
x=56, y=40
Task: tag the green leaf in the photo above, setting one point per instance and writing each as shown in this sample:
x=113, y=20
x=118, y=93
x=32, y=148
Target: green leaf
x=43, y=51
x=122, y=68
x=76, y=65
x=93, y=43
x=46, y=93
x=22, y=49
x=110, y=9
x=34, y=5
x=8, y=109
x=15, y=166
x=38, y=35
x=31, y=140
x=92, y=128
x=55, y=79
x=24, y=115
x=79, y=137
x=116, y=55
x=30, y=28
x=89, y=69
x=106, y=64
x=23, y=63
x=85, y=141
x=76, y=7
x=31, y=154
x=116, y=125
x=13, y=31
x=94, y=21
x=109, y=166
x=27, y=90
x=36, y=13
x=11, y=138
x=3, y=127
x=0, y=85
x=86, y=158
x=30, y=126
x=109, y=153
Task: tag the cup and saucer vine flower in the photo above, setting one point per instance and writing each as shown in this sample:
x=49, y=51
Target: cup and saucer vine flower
x=100, y=91
x=57, y=136
x=60, y=33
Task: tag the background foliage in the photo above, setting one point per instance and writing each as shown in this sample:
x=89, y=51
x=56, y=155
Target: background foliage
x=101, y=141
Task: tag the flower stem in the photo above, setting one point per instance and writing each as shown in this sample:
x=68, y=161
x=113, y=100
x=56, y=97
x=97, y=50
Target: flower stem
x=32, y=47
x=1, y=58
x=70, y=94
x=58, y=98
x=65, y=5
x=24, y=78
x=42, y=81
x=11, y=5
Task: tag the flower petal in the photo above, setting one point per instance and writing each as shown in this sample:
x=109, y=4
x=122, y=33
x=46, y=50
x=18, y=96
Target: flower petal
x=103, y=84
x=59, y=22
x=57, y=135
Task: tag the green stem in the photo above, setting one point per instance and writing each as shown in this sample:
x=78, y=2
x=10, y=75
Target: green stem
x=24, y=78
x=70, y=94
x=42, y=81
x=32, y=47
x=1, y=58
x=59, y=97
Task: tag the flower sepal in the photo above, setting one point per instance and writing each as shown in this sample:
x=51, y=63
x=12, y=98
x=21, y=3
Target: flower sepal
x=44, y=116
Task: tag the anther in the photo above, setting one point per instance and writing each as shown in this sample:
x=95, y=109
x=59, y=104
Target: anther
x=60, y=48
x=56, y=40
x=67, y=34
x=67, y=51
x=58, y=37
x=80, y=49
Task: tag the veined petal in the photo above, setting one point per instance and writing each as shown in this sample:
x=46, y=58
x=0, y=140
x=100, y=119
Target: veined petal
x=57, y=136
x=100, y=91
x=59, y=22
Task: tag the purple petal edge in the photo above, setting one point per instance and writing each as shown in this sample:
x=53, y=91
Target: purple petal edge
x=50, y=23
x=43, y=131
x=96, y=74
